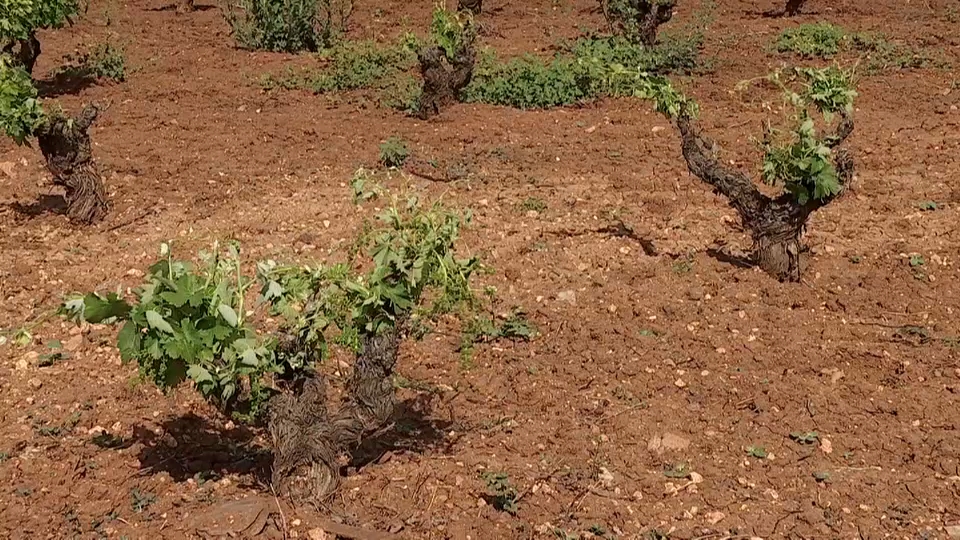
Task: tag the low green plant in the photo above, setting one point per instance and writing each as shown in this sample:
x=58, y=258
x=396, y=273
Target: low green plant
x=481, y=329
x=500, y=493
x=678, y=471
x=805, y=437
x=825, y=40
x=588, y=69
x=394, y=152
x=140, y=500
x=102, y=61
x=356, y=65
x=364, y=187
x=55, y=355
x=288, y=25
x=533, y=203
x=817, y=40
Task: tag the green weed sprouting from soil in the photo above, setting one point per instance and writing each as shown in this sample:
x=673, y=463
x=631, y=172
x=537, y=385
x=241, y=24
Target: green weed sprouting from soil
x=288, y=25
x=879, y=53
x=482, y=329
x=586, y=70
x=394, y=152
x=356, y=65
x=102, y=61
x=500, y=493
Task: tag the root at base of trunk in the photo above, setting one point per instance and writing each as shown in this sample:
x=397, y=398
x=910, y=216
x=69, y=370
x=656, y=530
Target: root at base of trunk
x=308, y=441
x=778, y=254
x=65, y=144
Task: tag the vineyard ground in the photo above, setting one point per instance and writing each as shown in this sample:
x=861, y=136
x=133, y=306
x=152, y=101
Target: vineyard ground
x=656, y=348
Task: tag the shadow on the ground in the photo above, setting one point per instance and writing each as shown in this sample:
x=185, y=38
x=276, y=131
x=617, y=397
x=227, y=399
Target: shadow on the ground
x=413, y=429
x=67, y=81
x=192, y=447
x=46, y=204
x=739, y=261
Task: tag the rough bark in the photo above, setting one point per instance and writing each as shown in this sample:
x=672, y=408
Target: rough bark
x=65, y=143
x=308, y=440
x=793, y=7
x=443, y=78
x=776, y=224
x=638, y=20
x=471, y=6
x=24, y=52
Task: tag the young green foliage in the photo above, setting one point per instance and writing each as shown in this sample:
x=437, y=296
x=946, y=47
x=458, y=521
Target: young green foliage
x=20, y=111
x=447, y=31
x=188, y=323
x=416, y=277
x=19, y=19
x=801, y=160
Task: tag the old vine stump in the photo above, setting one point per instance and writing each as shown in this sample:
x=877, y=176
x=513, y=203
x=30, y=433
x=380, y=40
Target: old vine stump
x=470, y=6
x=638, y=20
x=65, y=143
x=776, y=224
x=308, y=440
x=24, y=52
x=793, y=7
x=444, y=78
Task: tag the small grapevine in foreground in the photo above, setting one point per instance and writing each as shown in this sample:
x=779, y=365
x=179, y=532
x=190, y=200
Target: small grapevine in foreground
x=194, y=322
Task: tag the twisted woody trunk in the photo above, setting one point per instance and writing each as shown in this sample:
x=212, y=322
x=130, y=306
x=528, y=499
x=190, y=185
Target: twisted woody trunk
x=776, y=224
x=308, y=440
x=444, y=78
x=65, y=144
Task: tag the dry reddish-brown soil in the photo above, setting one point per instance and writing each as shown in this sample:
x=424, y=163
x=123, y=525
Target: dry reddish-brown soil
x=657, y=352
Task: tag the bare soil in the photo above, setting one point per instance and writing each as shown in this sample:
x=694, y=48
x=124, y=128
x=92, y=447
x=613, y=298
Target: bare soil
x=657, y=347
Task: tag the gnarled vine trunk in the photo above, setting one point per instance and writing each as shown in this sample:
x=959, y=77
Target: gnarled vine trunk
x=638, y=20
x=65, y=144
x=793, y=7
x=24, y=52
x=776, y=225
x=472, y=6
x=443, y=78
x=308, y=440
